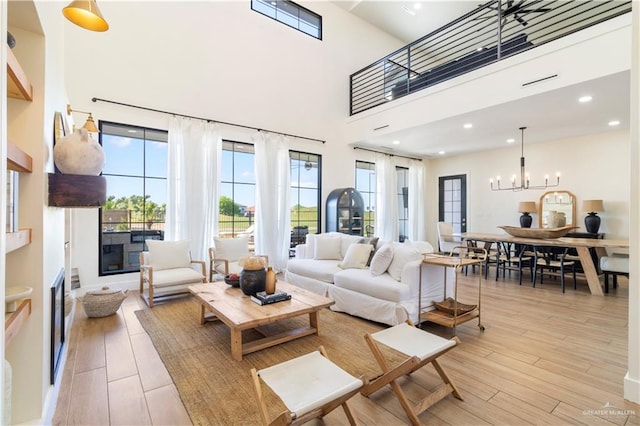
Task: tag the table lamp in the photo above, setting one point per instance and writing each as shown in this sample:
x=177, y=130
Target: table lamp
x=592, y=220
x=526, y=207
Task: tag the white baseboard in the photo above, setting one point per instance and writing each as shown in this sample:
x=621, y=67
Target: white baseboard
x=632, y=389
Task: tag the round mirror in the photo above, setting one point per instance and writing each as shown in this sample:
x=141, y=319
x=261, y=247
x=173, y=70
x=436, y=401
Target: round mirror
x=557, y=209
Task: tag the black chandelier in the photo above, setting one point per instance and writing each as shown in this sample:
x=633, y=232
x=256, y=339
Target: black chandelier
x=524, y=177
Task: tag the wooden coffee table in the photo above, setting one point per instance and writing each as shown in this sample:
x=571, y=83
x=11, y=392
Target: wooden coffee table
x=239, y=313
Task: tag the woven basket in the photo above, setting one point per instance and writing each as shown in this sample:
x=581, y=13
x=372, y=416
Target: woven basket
x=103, y=302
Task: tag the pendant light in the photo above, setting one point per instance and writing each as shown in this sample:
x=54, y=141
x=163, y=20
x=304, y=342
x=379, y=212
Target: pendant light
x=524, y=176
x=86, y=14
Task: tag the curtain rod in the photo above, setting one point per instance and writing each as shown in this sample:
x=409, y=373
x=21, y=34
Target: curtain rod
x=203, y=119
x=386, y=153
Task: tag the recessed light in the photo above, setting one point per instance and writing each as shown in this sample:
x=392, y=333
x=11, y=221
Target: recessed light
x=417, y=6
x=479, y=49
x=511, y=140
x=468, y=125
x=132, y=131
x=396, y=142
x=614, y=123
x=584, y=99
x=441, y=152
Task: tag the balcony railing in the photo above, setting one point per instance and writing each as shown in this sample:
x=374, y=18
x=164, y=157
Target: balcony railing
x=490, y=33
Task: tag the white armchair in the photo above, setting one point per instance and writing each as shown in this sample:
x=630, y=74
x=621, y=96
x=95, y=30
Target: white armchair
x=225, y=255
x=168, y=265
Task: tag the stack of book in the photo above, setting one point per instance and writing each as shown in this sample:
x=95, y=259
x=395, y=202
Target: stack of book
x=262, y=298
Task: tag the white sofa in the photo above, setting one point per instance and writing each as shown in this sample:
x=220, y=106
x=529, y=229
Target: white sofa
x=388, y=298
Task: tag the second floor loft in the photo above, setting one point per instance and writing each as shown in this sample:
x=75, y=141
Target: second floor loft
x=494, y=31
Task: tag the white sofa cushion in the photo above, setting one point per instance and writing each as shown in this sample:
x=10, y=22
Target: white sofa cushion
x=420, y=246
x=231, y=249
x=357, y=256
x=310, y=244
x=378, y=286
x=321, y=270
x=346, y=241
x=176, y=276
x=327, y=248
x=168, y=254
x=402, y=254
x=381, y=260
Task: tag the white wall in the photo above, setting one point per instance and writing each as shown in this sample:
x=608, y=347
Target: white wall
x=591, y=167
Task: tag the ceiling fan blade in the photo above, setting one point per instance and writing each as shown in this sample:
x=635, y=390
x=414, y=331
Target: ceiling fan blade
x=522, y=21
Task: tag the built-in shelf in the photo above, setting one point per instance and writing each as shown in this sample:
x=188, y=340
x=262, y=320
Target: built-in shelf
x=77, y=190
x=18, y=160
x=18, y=85
x=15, y=320
x=15, y=240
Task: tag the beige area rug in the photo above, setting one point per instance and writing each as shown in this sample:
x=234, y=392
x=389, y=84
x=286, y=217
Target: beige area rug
x=216, y=389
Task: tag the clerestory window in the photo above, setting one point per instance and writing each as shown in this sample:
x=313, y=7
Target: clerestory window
x=291, y=14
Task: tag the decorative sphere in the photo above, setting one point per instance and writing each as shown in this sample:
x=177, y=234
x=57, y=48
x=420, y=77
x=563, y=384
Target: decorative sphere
x=79, y=154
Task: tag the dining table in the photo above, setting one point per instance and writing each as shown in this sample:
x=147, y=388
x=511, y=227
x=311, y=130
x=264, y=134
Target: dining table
x=581, y=245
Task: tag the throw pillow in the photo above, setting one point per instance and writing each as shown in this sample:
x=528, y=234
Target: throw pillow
x=231, y=249
x=168, y=254
x=374, y=243
x=381, y=260
x=345, y=243
x=401, y=256
x=356, y=257
x=327, y=248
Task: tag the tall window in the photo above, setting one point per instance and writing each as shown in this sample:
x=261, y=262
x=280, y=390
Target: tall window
x=237, y=189
x=136, y=174
x=305, y=195
x=403, y=202
x=291, y=14
x=366, y=185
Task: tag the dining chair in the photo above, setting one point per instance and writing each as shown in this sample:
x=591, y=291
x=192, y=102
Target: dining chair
x=552, y=261
x=446, y=240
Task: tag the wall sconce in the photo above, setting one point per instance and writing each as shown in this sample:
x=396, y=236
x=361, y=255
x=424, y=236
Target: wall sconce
x=89, y=125
x=526, y=207
x=85, y=14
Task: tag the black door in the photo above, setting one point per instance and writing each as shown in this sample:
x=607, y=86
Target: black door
x=452, y=201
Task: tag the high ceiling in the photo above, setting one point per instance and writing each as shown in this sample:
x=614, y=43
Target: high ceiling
x=550, y=116
x=403, y=20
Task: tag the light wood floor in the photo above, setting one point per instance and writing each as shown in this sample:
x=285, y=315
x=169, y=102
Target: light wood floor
x=545, y=358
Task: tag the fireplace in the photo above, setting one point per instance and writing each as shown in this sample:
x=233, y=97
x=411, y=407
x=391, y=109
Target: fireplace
x=57, y=322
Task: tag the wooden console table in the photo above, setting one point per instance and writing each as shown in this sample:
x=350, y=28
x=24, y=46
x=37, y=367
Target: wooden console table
x=441, y=317
x=582, y=246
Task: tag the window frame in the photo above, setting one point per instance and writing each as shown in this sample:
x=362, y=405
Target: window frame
x=403, y=219
x=144, y=177
x=318, y=187
x=234, y=230
x=369, y=197
x=277, y=9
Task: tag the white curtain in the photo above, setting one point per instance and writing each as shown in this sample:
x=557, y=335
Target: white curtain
x=193, y=179
x=417, y=201
x=273, y=185
x=386, y=199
